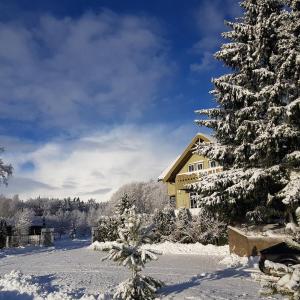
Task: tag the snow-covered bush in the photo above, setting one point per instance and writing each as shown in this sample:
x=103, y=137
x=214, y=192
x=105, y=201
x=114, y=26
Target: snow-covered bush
x=208, y=229
x=130, y=254
x=281, y=280
x=203, y=228
x=256, y=123
x=107, y=228
x=164, y=222
x=183, y=225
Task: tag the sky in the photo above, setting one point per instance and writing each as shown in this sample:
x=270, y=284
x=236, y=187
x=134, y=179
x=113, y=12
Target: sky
x=95, y=94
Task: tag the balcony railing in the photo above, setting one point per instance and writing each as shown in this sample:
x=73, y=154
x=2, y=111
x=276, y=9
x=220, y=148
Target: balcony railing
x=189, y=177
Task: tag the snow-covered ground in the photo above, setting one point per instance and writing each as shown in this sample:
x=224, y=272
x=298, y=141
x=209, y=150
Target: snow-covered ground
x=72, y=271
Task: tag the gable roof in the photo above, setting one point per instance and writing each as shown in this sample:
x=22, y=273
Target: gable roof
x=170, y=172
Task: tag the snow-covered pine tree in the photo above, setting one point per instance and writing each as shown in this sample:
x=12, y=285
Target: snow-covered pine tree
x=130, y=254
x=257, y=121
x=164, y=222
x=183, y=225
x=123, y=204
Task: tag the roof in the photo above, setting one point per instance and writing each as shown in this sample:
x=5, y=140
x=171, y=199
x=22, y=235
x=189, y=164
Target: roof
x=170, y=172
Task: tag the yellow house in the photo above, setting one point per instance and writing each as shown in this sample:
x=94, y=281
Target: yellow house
x=187, y=168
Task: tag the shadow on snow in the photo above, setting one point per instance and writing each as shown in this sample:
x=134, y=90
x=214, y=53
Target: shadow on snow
x=198, y=279
x=62, y=245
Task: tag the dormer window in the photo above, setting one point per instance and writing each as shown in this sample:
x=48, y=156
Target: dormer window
x=197, y=166
x=191, y=168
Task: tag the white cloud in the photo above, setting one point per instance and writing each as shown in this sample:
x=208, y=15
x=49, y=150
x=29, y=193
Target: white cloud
x=97, y=164
x=210, y=18
x=71, y=73
x=207, y=63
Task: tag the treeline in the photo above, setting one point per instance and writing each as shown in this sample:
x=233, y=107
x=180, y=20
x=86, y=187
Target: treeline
x=72, y=215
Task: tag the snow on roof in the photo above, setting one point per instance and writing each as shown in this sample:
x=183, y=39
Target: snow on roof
x=166, y=170
x=209, y=137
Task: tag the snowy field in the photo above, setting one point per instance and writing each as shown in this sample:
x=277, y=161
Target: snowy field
x=72, y=271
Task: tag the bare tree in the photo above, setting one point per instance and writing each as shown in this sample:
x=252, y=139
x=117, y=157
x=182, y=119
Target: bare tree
x=146, y=196
x=23, y=221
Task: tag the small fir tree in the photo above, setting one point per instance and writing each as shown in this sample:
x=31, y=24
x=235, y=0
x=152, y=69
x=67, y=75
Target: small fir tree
x=182, y=232
x=129, y=253
x=256, y=124
x=123, y=204
x=164, y=223
x=107, y=228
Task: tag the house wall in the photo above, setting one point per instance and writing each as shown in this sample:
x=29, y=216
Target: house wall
x=195, y=158
x=183, y=197
x=176, y=184
x=171, y=189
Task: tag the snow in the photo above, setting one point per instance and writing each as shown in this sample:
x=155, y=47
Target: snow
x=71, y=269
x=172, y=248
x=235, y=261
x=16, y=286
x=168, y=168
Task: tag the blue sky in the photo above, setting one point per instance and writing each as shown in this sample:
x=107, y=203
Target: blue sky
x=89, y=88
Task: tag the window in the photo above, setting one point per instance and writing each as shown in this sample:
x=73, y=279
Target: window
x=213, y=164
x=193, y=201
x=199, y=166
x=191, y=168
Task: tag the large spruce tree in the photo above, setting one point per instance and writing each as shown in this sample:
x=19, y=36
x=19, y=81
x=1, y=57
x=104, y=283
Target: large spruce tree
x=257, y=121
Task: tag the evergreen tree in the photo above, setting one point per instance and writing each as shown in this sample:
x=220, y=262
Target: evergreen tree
x=129, y=253
x=123, y=205
x=257, y=121
x=182, y=231
x=164, y=222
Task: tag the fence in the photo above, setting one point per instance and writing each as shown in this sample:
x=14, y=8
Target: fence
x=46, y=238
x=22, y=240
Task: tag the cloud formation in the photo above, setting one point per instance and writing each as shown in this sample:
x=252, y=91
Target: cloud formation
x=114, y=156
x=210, y=19
x=73, y=73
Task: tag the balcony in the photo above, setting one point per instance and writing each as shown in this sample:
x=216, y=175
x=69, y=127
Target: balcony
x=189, y=177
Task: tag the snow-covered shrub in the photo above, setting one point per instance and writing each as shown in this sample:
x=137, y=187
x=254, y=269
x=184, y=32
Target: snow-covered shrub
x=204, y=228
x=164, y=222
x=208, y=229
x=129, y=253
x=182, y=231
x=107, y=229
x=281, y=280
